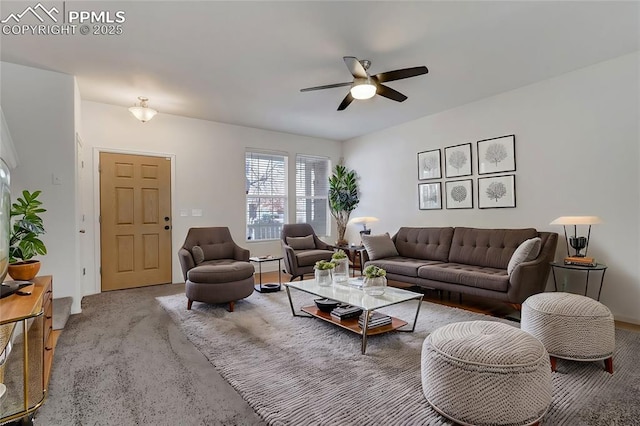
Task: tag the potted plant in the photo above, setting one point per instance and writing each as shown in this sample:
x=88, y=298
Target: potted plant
x=341, y=261
x=322, y=273
x=375, y=280
x=24, y=243
x=343, y=198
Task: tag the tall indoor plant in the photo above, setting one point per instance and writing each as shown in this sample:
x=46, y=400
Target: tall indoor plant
x=24, y=243
x=343, y=198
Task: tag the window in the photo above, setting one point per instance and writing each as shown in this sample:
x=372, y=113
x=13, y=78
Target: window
x=312, y=189
x=266, y=188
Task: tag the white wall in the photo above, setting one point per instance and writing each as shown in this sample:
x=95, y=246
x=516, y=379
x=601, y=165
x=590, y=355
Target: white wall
x=209, y=167
x=577, y=153
x=39, y=109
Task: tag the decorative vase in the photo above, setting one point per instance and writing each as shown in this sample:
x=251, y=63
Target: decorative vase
x=323, y=277
x=341, y=270
x=25, y=270
x=375, y=286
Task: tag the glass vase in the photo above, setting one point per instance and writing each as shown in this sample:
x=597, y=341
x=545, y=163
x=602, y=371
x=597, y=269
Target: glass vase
x=341, y=271
x=323, y=277
x=375, y=286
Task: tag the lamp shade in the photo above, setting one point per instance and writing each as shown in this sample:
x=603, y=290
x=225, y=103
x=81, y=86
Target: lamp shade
x=576, y=220
x=142, y=112
x=364, y=219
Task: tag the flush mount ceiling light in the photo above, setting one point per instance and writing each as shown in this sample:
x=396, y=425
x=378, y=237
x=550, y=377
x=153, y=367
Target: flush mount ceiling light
x=143, y=112
x=363, y=88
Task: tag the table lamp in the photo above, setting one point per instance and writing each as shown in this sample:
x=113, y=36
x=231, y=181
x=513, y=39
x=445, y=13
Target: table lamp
x=364, y=220
x=578, y=243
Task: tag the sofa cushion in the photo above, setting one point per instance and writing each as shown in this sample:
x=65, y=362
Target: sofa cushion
x=401, y=265
x=424, y=243
x=528, y=250
x=379, y=246
x=310, y=257
x=301, y=243
x=198, y=254
x=218, y=251
x=220, y=271
x=490, y=248
x=473, y=276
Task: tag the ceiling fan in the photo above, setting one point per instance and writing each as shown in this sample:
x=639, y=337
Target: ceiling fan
x=365, y=86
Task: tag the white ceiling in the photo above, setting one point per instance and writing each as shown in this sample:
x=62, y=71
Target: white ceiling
x=245, y=62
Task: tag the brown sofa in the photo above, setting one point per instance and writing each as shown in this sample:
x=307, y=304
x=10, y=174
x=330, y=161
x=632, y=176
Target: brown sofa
x=470, y=260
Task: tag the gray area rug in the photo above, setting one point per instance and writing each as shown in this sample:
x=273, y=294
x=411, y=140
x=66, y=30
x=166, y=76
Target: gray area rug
x=304, y=371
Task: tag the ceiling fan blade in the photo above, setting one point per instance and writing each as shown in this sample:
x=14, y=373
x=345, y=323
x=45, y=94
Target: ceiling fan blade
x=327, y=86
x=388, y=92
x=345, y=102
x=400, y=74
x=355, y=67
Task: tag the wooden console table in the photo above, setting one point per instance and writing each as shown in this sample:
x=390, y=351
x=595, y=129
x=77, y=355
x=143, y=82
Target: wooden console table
x=28, y=321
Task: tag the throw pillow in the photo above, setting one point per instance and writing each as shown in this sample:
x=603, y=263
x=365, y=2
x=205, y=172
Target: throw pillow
x=379, y=246
x=528, y=250
x=198, y=254
x=301, y=243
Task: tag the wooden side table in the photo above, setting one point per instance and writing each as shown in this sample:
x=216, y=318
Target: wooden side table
x=268, y=287
x=601, y=267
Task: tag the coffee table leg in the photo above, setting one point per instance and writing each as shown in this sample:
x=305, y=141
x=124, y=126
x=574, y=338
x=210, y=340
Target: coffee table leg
x=364, y=330
x=293, y=311
x=415, y=319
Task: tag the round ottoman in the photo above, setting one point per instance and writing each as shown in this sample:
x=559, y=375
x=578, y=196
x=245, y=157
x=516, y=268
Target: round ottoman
x=486, y=373
x=219, y=281
x=570, y=326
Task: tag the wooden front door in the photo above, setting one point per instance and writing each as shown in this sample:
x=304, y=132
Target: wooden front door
x=135, y=220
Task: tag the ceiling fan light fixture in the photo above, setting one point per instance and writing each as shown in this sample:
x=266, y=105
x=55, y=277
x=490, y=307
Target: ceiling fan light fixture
x=363, y=88
x=142, y=112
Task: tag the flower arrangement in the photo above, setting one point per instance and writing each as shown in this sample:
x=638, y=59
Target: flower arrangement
x=338, y=255
x=373, y=271
x=322, y=265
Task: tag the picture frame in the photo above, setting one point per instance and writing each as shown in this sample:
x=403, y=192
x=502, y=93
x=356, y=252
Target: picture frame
x=497, y=192
x=457, y=160
x=497, y=155
x=459, y=194
x=430, y=196
x=429, y=165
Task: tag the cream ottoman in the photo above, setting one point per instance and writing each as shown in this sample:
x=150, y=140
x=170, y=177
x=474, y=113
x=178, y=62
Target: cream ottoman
x=486, y=373
x=570, y=326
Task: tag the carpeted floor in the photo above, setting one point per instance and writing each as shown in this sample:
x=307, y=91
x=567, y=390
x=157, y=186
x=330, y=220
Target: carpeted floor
x=302, y=371
x=122, y=361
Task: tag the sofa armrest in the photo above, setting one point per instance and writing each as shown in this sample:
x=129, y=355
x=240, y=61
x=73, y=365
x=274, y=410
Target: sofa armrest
x=529, y=278
x=241, y=254
x=186, y=261
x=290, y=260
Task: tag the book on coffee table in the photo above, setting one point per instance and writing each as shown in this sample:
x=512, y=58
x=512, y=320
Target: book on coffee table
x=345, y=312
x=376, y=319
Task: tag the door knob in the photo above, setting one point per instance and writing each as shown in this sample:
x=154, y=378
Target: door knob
x=166, y=218
x=167, y=227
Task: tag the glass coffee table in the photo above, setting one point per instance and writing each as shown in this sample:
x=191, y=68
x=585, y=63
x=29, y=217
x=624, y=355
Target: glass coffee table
x=356, y=297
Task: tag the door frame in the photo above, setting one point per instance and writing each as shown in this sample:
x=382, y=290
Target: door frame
x=96, y=204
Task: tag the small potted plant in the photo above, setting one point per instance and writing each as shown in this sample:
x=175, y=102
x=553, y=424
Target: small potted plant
x=375, y=280
x=323, y=269
x=24, y=243
x=341, y=262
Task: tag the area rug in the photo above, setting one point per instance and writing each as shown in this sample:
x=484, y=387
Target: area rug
x=304, y=371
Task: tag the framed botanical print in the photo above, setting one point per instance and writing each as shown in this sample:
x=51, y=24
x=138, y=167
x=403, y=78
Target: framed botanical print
x=497, y=155
x=457, y=160
x=429, y=165
x=497, y=192
x=429, y=196
x=459, y=194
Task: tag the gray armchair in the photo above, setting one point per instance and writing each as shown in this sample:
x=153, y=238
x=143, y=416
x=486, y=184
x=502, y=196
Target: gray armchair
x=301, y=249
x=215, y=268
